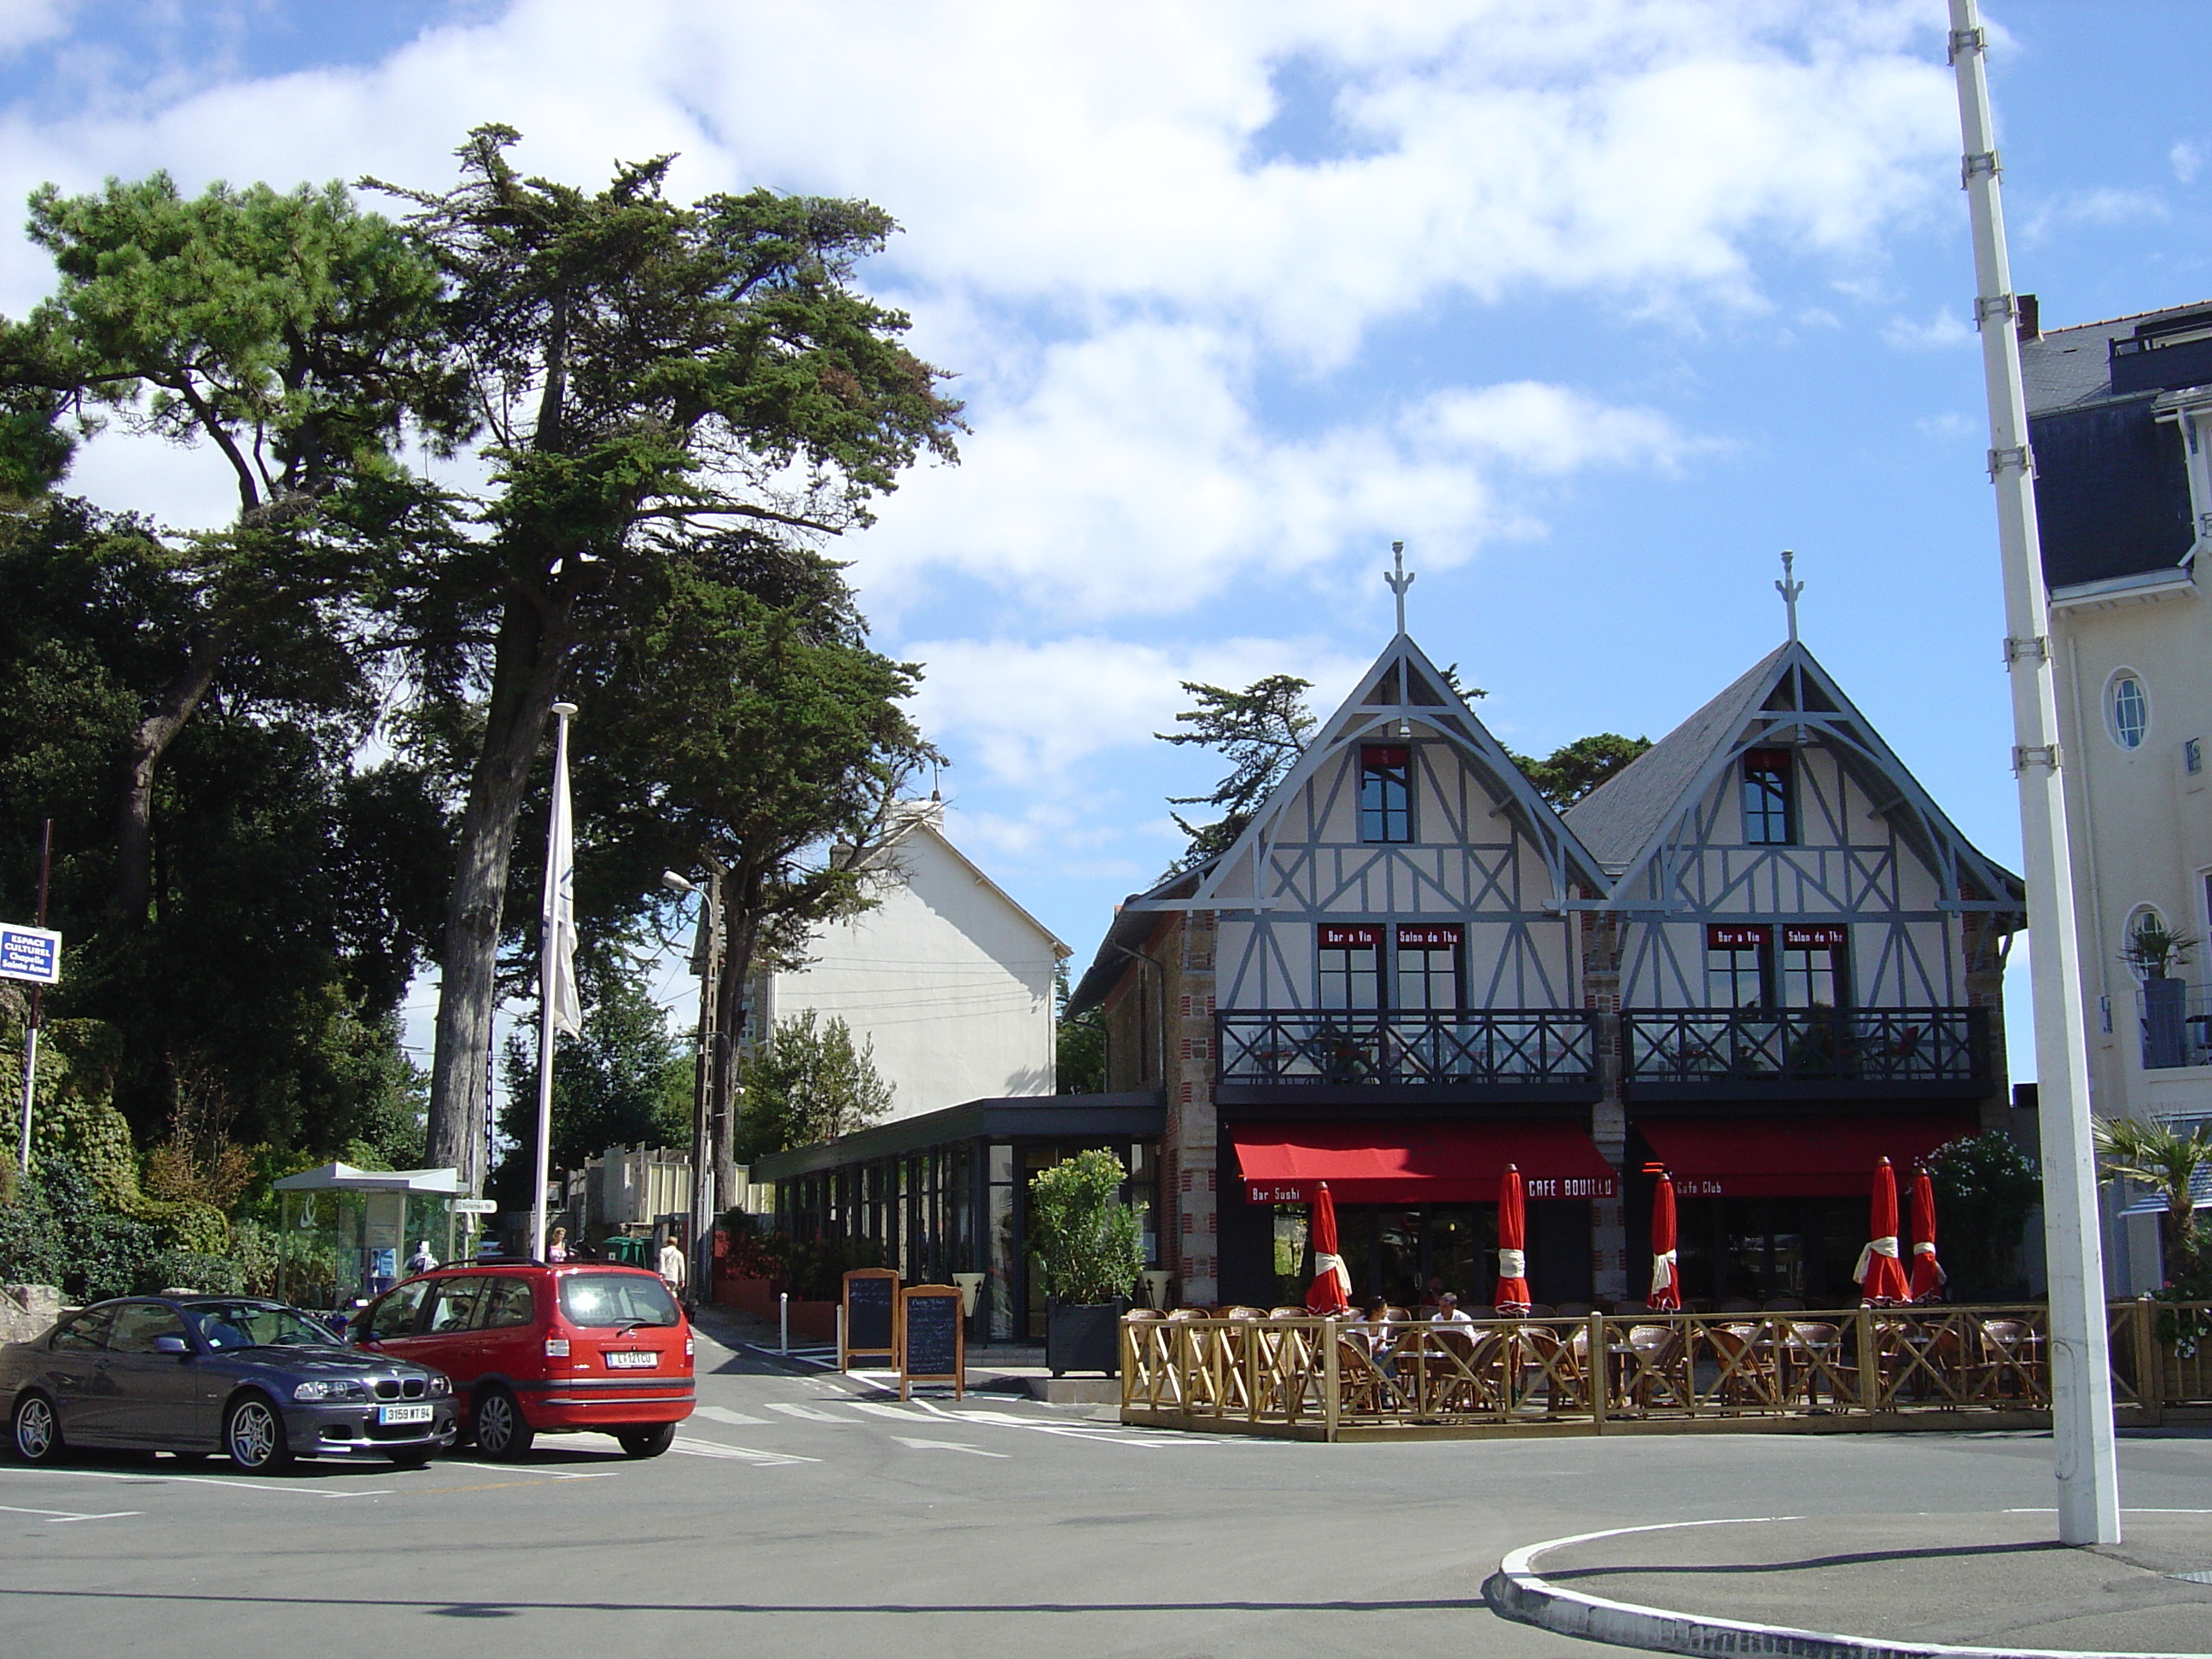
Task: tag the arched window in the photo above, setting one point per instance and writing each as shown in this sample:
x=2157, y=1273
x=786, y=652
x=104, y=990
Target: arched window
x=2127, y=707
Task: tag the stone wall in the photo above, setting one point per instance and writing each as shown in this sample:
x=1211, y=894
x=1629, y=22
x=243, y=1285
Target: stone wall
x=27, y=1311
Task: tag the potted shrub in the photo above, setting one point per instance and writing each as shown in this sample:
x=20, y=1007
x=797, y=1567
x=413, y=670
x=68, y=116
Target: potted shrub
x=1088, y=1247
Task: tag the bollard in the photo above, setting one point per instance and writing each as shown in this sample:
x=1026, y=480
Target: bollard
x=783, y=1321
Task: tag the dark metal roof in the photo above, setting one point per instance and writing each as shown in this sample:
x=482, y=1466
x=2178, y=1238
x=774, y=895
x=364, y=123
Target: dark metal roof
x=1139, y=1115
x=2112, y=490
x=1128, y=934
x=1618, y=819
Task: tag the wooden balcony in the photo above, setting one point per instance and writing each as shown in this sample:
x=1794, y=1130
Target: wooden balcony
x=1337, y=1057
x=1814, y=1054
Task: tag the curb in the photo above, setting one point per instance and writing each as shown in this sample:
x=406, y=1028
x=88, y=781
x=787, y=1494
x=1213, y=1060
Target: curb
x=1517, y=1592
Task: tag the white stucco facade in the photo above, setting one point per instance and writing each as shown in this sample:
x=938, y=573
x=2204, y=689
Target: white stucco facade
x=2142, y=841
x=948, y=977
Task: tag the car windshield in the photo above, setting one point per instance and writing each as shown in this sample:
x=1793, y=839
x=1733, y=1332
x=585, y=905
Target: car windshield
x=617, y=1299
x=256, y=1325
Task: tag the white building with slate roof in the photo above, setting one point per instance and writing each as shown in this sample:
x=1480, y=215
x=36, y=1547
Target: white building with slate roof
x=2120, y=416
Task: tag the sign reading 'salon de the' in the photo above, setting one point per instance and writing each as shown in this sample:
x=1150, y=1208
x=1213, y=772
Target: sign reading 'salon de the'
x=32, y=953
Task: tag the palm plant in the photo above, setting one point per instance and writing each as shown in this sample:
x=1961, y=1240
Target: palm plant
x=2171, y=1164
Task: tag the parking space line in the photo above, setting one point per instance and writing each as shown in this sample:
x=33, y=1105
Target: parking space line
x=216, y=1480
x=62, y=1517
x=691, y=1447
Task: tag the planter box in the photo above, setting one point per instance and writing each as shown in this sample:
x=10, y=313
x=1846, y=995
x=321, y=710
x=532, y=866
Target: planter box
x=754, y=1296
x=1084, y=1337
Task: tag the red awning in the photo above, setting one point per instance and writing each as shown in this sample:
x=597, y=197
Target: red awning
x=1416, y=1163
x=1814, y=1157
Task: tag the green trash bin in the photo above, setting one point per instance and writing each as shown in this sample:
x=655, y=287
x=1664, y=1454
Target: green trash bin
x=633, y=1251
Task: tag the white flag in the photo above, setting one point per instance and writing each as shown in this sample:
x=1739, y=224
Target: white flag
x=556, y=973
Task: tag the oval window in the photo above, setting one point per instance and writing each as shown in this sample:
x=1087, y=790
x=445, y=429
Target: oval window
x=2129, y=706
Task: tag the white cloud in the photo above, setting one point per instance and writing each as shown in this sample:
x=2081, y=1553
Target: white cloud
x=2099, y=209
x=25, y=22
x=1130, y=474
x=1940, y=332
x=1032, y=713
x=2187, y=160
x=1949, y=425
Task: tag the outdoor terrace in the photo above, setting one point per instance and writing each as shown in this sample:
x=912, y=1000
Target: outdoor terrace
x=1287, y=1373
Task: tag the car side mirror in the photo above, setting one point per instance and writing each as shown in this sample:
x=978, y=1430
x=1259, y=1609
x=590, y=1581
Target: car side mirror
x=171, y=1345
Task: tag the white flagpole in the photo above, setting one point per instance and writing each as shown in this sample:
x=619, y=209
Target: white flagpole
x=2080, y=1364
x=556, y=947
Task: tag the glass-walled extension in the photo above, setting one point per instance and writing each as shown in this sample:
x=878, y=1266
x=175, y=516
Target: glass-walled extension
x=947, y=1193
x=347, y=1233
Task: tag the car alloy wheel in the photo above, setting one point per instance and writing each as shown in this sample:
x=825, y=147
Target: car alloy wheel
x=500, y=1431
x=38, y=1436
x=254, y=1437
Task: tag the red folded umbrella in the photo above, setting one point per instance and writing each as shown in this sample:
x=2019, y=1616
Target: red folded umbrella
x=1513, y=1293
x=1927, y=1275
x=1880, y=1276
x=1666, y=1286
x=1331, y=1290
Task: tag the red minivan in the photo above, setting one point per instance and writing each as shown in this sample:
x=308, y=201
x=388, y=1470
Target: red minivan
x=537, y=1349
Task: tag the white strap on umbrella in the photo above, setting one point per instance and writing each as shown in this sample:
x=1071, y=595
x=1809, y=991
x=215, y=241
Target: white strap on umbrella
x=1662, y=1271
x=1325, y=1265
x=1512, y=1264
x=1884, y=1246
x=1927, y=1247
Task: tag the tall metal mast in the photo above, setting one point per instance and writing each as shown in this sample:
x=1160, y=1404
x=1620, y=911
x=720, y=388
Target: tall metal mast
x=2080, y=1366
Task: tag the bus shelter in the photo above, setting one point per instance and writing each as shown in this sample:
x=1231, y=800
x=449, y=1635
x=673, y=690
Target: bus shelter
x=347, y=1232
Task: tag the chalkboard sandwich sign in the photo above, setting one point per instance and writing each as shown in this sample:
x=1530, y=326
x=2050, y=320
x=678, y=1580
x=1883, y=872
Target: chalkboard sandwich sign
x=934, y=1338
x=871, y=1321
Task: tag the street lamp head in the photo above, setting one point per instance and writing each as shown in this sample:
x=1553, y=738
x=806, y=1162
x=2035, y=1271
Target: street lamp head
x=564, y=709
x=676, y=884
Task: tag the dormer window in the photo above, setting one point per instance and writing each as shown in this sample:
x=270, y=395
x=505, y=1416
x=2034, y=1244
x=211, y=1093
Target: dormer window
x=1767, y=818
x=1386, y=793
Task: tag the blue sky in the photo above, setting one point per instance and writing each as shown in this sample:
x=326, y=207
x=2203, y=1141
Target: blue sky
x=1597, y=306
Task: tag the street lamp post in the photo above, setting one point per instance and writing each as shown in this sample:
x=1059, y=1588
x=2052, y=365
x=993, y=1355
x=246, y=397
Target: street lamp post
x=707, y=963
x=2081, y=1365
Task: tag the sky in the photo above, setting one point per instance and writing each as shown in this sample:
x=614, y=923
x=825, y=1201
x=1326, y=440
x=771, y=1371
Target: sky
x=1596, y=306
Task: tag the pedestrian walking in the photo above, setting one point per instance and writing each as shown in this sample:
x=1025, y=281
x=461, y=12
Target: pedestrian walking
x=672, y=1265
x=556, y=1245
x=422, y=1261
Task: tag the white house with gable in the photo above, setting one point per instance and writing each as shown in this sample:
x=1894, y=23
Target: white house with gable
x=947, y=976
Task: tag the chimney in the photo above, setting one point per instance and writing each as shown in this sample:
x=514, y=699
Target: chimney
x=2030, y=319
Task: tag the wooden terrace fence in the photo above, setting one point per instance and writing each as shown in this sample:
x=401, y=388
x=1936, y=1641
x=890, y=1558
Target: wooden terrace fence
x=1289, y=1373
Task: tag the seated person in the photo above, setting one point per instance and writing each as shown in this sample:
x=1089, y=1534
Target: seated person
x=1448, y=1311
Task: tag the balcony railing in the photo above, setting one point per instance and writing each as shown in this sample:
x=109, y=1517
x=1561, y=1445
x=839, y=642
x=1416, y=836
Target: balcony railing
x=1852, y=1050
x=1500, y=1049
x=2177, y=1024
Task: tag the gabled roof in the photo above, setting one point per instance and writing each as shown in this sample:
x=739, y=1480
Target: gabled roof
x=1401, y=687
x=1619, y=818
x=1783, y=698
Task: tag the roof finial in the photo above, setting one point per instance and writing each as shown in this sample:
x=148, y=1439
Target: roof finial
x=1399, y=580
x=1789, y=589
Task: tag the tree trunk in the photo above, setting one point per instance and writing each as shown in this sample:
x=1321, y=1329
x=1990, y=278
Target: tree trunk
x=530, y=658
x=740, y=934
x=134, y=835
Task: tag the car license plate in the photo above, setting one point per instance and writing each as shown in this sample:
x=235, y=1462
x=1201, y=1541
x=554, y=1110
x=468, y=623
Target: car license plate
x=632, y=1359
x=389, y=1415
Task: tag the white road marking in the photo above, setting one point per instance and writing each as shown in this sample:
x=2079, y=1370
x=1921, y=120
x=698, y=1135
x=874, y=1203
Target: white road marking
x=810, y=1414
x=302, y=1490
x=691, y=1448
x=723, y=1414
x=62, y=1517
x=877, y=1408
x=946, y=1445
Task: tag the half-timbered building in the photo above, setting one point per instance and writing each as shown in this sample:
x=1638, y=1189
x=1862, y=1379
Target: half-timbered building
x=1805, y=957
x=1760, y=956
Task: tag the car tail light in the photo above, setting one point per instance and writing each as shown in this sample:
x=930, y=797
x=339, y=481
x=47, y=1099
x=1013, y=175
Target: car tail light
x=556, y=1347
x=689, y=1348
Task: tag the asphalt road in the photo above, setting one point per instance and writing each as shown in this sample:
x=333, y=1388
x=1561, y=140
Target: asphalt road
x=798, y=1517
